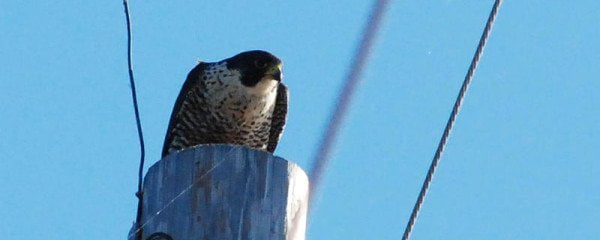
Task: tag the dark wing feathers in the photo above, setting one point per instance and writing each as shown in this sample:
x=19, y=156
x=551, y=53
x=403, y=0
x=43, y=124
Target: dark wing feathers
x=278, y=118
x=193, y=78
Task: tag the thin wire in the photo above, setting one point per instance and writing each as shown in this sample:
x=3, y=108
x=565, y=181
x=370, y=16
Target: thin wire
x=452, y=119
x=352, y=79
x=140, y=192
x=140, y=227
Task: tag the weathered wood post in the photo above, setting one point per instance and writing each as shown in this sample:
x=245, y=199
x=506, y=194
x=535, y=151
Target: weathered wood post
x=224, y=192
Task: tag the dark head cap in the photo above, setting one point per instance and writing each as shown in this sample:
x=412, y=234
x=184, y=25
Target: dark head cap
x=255, y=65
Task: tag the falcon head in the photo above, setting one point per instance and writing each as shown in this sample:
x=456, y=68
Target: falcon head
x=257, y=68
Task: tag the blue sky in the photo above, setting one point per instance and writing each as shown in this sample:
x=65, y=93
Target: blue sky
x=522, y=162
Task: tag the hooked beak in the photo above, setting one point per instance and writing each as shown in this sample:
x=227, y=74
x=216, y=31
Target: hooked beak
x=275, y=73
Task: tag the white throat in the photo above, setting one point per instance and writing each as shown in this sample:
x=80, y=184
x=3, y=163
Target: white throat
x=264, y=87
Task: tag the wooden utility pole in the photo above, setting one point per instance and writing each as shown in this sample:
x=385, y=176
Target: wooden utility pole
x=224, y=192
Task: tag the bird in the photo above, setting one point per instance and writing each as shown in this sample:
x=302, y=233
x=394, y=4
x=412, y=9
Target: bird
x=240, y=100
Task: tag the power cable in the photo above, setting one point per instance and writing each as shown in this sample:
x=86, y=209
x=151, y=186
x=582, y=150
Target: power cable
x=363, y=51
x=451, y=120
x=140, y=193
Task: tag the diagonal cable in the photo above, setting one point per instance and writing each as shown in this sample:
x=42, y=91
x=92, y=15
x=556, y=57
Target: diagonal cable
x=363, y=51
x=451, y=120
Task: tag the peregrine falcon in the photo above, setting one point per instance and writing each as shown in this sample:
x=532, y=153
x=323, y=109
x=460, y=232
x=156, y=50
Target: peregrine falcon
x=239, y=100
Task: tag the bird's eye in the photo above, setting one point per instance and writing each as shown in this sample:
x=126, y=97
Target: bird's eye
x=260, y=64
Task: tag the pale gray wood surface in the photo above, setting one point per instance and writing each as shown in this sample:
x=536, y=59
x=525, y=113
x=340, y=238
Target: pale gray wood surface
x=225, y=192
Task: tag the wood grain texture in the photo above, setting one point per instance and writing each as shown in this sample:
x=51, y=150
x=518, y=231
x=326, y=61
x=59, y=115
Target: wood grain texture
x=225, y=192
